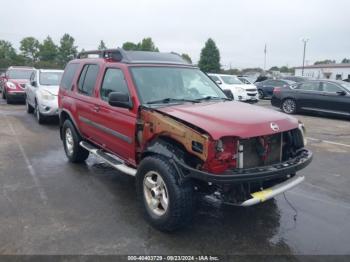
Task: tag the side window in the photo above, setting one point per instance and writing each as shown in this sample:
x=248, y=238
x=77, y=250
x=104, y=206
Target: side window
x=68, y=76
x=329, y=87
x=87, y=79
x=113, y=81
x=310, y=86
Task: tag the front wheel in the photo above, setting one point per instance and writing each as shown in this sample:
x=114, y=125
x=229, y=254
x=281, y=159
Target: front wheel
x=29, y=108
x=289, y=106
x=71, y=139
x=166, y=204
x=261, y=94
x=39, y=117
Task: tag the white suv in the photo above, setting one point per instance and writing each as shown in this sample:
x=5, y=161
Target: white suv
x=42, y=92
x=240, y=91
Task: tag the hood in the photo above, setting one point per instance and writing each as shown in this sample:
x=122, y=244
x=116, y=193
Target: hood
x=231, y=118
x=51, y=89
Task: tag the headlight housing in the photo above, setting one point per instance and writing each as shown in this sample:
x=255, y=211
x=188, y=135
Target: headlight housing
x=46, y=95
x=11, y=85
x=240, y=89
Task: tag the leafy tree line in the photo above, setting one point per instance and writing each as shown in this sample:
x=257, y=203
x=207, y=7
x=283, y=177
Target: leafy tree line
x=48, y=54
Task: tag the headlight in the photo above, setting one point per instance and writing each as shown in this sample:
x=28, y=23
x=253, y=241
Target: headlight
x=303, y=132
x=46, y=95
x=240, y=89
x=11, y=85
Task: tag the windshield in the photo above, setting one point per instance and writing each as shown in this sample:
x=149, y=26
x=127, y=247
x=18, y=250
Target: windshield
x=173, y=83
x=244, y=80
x=50, y=78
x=19, y=74
x=231, y=80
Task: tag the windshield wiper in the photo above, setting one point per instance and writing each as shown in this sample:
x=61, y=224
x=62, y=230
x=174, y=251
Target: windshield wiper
x=169, y=100
x=212, y=98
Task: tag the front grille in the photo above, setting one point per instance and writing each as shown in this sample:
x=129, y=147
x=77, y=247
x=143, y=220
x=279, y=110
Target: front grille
x=251, y=90
x=250, y=94
x=255, y=155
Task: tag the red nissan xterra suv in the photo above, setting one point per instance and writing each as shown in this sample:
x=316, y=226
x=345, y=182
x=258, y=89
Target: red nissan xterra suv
x=153, y=116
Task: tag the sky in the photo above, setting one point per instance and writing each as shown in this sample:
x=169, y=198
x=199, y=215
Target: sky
x=240, y=28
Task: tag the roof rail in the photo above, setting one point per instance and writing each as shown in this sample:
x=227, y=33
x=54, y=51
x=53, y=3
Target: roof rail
x=135, y=57
x=114, y=54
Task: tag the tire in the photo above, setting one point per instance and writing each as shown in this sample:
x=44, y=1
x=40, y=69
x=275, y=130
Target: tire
x=261, y=94
x=289, y=106
x=39, y=117
x=3, y=94
x=74, y=152
x=178, y=210
x=29, y=108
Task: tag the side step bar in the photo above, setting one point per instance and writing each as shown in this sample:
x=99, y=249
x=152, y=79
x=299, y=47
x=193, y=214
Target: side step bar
x=110, y=159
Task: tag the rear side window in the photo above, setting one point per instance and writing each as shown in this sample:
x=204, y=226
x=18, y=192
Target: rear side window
x=87, y=79
x=113, y=81
x=310, y=86
x=68, y=76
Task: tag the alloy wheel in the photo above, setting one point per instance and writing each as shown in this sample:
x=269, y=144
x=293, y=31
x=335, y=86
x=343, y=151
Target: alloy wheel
x=69, y=141
x=289, y=106
x=156, y=193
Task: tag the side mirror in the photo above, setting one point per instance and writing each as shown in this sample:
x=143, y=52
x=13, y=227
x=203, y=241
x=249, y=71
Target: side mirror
x=341, y=93
x=218, y=82
x=228, y=93
x=118, y=99
x=34, y=83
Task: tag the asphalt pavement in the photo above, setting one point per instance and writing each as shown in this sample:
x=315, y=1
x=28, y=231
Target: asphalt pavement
x=50, y=206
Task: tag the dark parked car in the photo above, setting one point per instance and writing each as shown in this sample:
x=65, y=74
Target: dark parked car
x=265, y=88
x=325, y=96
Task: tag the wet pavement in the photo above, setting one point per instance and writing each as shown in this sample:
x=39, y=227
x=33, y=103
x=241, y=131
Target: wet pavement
x=50, y=206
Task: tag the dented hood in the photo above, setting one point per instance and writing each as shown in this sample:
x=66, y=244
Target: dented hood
x=230, y=118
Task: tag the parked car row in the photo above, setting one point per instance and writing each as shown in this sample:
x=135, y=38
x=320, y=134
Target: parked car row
x=38, y=88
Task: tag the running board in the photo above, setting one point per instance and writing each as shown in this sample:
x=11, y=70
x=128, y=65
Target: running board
x=110, y=159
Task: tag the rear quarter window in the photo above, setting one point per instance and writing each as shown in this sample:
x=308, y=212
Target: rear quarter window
x=68, y=75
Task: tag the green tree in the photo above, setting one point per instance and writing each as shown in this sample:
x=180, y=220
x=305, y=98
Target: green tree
x=210, y=57
x=67, y=50
x=102, y=45
x=327, y=61
x=7, y=54
x=48, y=51
x=284, y=69
x=345, y=61
x=146, y=44
x=30, y=48
x=187, y=58
x=130, y=46
x=274, y=68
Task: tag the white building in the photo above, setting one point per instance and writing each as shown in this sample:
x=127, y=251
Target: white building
x=329, y=71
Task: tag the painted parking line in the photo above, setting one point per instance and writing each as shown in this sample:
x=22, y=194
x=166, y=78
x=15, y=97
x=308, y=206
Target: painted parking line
x=327, y=141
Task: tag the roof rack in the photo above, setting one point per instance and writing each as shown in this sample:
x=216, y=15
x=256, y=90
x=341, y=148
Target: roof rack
x=136, y=57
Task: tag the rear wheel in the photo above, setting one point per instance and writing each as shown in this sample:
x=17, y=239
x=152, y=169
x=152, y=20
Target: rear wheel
x=71, y=139
x=3, y=94
x=289, y=106
x=166, y=204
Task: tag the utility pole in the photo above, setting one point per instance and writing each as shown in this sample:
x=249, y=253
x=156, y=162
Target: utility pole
x=265, y=51
x=305, y=40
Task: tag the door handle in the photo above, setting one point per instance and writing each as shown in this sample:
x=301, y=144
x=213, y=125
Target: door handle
x=96, y=108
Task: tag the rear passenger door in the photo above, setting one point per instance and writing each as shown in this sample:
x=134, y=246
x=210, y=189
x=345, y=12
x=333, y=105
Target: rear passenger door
x=309, y=95
x=85, y=98
x=117, y=125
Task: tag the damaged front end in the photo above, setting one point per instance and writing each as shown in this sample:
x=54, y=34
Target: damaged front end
x=232, y=170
